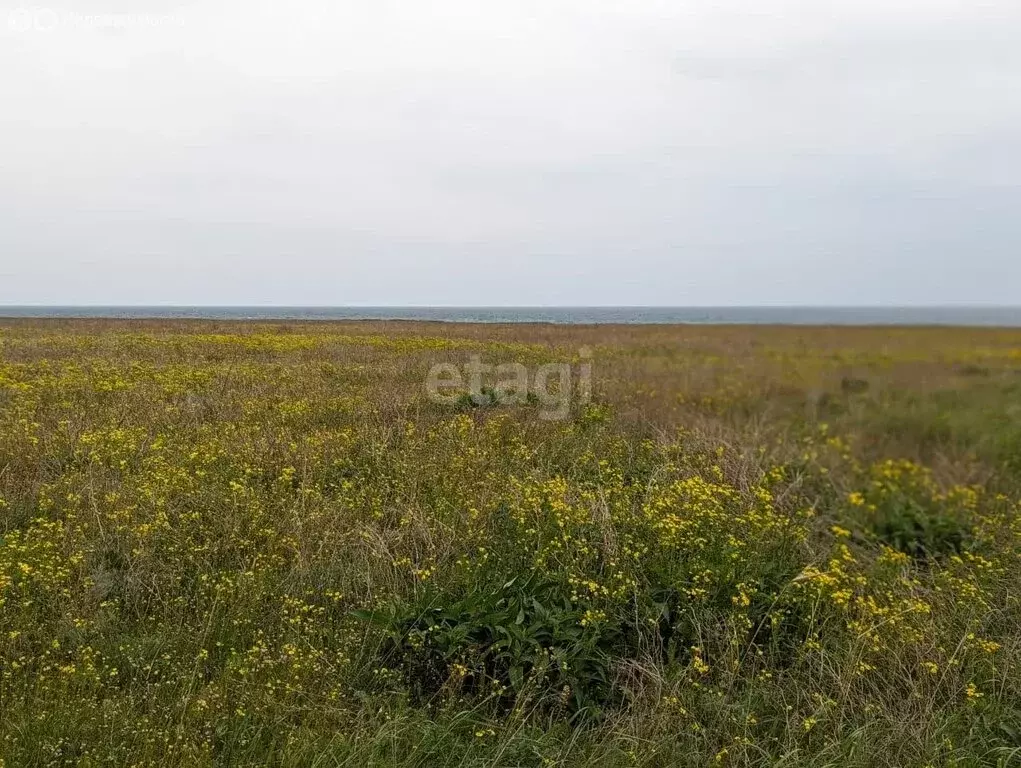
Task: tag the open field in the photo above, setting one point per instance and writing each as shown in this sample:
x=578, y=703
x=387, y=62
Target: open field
x=251, y=544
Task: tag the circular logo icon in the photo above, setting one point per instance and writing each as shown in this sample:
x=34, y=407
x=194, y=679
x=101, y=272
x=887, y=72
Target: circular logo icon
x=45, y=19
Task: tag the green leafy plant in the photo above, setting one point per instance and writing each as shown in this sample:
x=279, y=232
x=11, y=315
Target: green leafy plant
x=918, y=530
x=526, y=636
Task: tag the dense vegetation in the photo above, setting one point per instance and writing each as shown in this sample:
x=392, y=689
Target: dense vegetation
x=243, y=544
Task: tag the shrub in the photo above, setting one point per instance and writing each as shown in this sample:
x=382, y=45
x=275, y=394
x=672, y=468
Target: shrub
x=525, y=638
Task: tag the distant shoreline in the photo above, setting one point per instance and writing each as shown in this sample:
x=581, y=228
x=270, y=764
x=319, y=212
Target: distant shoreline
x=953, y=316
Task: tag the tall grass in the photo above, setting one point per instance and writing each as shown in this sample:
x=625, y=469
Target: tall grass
x=263, y=544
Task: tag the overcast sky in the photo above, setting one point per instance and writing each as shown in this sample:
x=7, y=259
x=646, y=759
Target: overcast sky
x=527, y=152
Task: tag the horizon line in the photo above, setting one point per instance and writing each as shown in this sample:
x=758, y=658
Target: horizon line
x=952, y=305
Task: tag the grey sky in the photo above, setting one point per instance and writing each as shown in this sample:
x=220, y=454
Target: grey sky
x=469, y=152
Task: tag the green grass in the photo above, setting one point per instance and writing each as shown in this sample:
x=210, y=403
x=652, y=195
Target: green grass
x=263, y=544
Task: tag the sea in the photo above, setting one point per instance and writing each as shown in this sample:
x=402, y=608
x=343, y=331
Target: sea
x=990, y=316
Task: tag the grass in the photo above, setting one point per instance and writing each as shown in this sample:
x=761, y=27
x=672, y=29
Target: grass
x=263, y=544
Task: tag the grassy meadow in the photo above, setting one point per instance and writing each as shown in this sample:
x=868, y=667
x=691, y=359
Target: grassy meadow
x=264, y=544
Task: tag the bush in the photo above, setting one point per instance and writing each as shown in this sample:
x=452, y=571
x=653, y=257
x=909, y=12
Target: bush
x=525, y=638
